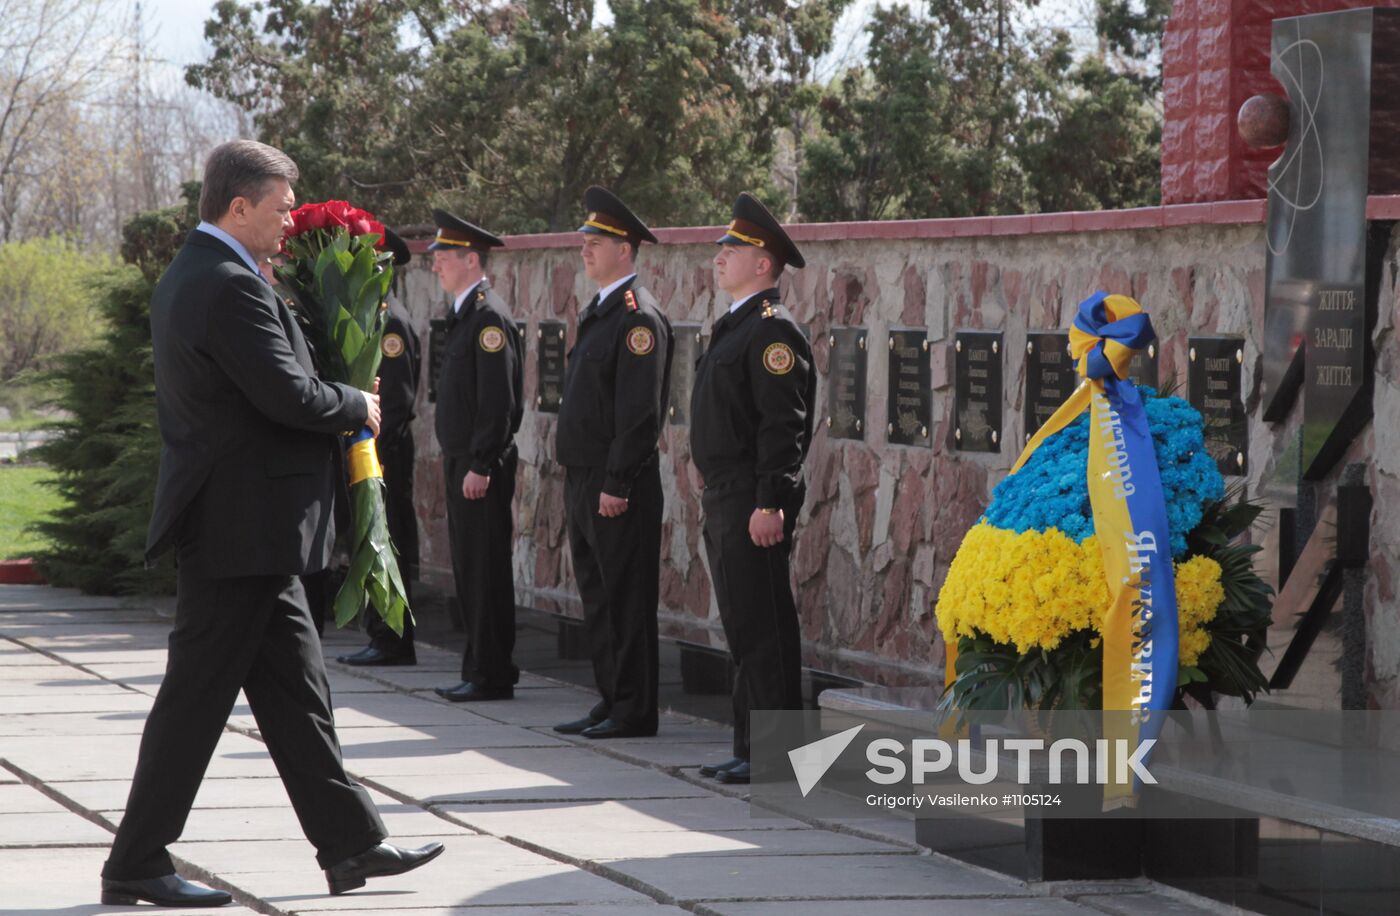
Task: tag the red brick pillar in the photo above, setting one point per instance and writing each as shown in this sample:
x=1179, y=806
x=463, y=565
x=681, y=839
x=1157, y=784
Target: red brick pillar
x=1215, y=54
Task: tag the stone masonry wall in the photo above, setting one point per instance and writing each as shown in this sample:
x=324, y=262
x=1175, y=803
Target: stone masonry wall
x=882, y=522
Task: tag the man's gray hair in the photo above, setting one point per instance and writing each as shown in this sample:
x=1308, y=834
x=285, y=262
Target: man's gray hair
x=241, y=168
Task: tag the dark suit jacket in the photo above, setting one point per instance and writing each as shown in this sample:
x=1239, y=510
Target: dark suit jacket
x=247, y=430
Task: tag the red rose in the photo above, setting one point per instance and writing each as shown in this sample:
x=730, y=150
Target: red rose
x=338, y=213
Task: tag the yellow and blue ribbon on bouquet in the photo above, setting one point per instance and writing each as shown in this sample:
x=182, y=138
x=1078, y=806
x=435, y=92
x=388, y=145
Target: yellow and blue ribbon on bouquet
x=1130, y=521
x=361, y=459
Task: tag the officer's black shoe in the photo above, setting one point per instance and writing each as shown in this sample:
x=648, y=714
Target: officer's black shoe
x=167, y=890
x=467, y=692
x=378, y=862
x=373, y=655
x=578, y=726
x=611, y=729
x=714, y=769
x=736, y=775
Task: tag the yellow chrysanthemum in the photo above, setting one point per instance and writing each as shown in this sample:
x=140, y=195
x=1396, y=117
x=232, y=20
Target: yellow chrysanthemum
x=1033, y=589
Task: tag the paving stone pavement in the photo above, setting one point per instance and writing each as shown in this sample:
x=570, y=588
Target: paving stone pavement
x=533, y=822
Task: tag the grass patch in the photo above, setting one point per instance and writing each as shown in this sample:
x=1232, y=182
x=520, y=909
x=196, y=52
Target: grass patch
x=23, y=499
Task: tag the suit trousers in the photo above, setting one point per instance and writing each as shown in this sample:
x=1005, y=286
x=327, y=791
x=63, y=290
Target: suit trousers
x=617, y=563
x=396, y=454
x=753, y=587
x=480, y=533
x=252, y=633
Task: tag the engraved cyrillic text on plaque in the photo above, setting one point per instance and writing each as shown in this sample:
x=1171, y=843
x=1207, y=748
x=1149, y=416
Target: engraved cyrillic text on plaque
x=977, y=391
x=1050, y=377
x=909, y=396
x=845, y=391
x=549, y=388
x=1214, y=377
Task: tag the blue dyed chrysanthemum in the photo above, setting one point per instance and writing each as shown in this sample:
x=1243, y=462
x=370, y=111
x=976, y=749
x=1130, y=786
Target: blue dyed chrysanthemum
x=1052, y=491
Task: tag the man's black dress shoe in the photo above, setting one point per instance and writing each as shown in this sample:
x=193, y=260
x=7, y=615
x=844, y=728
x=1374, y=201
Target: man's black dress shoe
x=610, y=729
x=736, y=775
x=167, y=890
x=467, y=692
x=714, y=769
x=578, y=726
x=373, y=655
x=378, y=862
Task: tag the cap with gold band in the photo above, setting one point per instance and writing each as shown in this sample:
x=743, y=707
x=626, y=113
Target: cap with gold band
x=752, y=224
x=398, y=247
x=456, y=234
x=608, y=215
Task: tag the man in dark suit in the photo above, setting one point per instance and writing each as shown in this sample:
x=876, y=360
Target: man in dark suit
x=751, y=426
x=398, y=392
x=479, y=409
x=243, y=498
x=615, y=393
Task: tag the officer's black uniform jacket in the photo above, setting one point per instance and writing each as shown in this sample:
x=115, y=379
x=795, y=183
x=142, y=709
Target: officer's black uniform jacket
x=616, y=386
x=398, y=374
x=479, y=392
x=752, y=407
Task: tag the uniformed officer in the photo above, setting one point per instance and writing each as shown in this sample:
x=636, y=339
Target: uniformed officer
x=479, y=409
x=398, y=390
x=615, y=393
x=751, y=425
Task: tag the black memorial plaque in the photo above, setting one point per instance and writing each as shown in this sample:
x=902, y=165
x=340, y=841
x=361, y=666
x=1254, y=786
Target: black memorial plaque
x=1214, y=379
x=1142, y=370
x=1322, y=266
x=687, y=351
x=910, y=394
x=437, y=340
x=549, y=377
x=845, y=393
x=1050, y=377
x=977, y=387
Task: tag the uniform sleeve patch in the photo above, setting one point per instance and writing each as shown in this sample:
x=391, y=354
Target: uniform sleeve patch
x=492, y=339
x=778, y=359
x=641, y=341
x=392, y=346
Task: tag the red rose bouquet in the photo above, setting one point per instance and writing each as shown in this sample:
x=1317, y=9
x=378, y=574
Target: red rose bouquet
x=338, y=278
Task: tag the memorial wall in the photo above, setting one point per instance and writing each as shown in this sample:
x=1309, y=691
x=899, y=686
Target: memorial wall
x=940, y=347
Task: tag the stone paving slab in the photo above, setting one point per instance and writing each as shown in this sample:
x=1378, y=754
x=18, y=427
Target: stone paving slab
x=606, y=845
x=375, y=710
x=524, y=785
x=419, y=678
x=927, y=906
x=703, y=812
x=644, y=907
x=70, y=757
x=438, y=740
x=50, y=828
x=682, y=755
x=18, y=798
x=563, y=762
x=43, y=882
x=63, y=701
x=69, y=687
x=74, y=723
x=815, y=877
x=30, y=598
x=474, y=871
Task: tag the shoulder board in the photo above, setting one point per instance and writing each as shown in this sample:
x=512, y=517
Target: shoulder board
x=631, y=300
x=768, y=309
